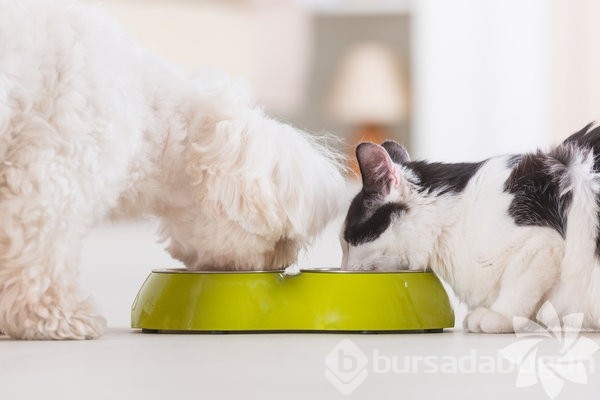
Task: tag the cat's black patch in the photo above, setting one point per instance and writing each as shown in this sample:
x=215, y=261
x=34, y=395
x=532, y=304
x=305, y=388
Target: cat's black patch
x=442, y=178
x=513, y=160
x=367, y=219
x=535, y=182
x=598, y=228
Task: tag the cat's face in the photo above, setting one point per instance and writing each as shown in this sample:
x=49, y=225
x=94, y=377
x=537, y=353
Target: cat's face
x=369, y=237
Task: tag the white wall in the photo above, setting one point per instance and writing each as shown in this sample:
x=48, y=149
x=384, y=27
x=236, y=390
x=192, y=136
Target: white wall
x=480, y=77
x=264, y=43
x=575, y=65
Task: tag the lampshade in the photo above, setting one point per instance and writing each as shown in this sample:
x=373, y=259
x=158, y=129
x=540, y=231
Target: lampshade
x=368, y=87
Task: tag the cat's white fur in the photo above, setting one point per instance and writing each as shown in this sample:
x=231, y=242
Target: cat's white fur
x=500, y=270
x=92, y=124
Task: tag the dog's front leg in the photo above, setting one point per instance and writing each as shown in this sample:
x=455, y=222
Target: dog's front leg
x=43, y=215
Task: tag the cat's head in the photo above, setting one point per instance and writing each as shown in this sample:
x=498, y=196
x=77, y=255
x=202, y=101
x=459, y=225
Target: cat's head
x=368, y=237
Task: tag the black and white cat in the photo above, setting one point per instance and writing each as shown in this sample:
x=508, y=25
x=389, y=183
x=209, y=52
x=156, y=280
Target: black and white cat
x=507, y=233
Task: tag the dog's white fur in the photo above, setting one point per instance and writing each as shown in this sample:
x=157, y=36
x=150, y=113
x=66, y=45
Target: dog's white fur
x=91, y=124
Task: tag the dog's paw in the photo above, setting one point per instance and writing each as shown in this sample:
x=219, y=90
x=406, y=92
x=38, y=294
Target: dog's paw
x=52, y=321
x=484, y=320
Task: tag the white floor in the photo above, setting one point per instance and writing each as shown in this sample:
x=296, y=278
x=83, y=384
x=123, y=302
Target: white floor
x=125, y=364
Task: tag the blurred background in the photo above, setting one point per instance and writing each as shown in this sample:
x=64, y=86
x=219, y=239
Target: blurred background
x=453, y=80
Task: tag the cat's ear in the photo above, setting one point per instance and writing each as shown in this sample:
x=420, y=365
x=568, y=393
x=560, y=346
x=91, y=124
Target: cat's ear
x=376, y=167
x=397, y=152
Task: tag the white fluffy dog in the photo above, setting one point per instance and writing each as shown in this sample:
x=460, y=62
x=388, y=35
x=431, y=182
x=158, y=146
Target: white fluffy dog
x=92, y=124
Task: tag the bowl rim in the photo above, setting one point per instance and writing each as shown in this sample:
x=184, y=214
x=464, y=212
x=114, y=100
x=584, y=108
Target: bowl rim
x=332, y=271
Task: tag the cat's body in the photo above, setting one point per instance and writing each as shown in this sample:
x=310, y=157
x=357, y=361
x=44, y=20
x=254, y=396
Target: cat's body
x=507, y=234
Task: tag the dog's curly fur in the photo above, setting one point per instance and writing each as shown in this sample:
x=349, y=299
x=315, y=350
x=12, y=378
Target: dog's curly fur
x=92, y=124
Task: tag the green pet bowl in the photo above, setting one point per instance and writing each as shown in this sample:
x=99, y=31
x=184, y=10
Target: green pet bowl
x=312, y=301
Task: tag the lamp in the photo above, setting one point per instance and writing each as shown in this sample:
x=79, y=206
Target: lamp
x=368, y=93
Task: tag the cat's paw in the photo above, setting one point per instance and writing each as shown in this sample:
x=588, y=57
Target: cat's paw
x=54, y=321
x=484, y=320
x=472, y=321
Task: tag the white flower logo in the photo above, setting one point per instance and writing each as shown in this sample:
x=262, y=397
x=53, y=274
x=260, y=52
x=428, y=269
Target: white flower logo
x=552, y=371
